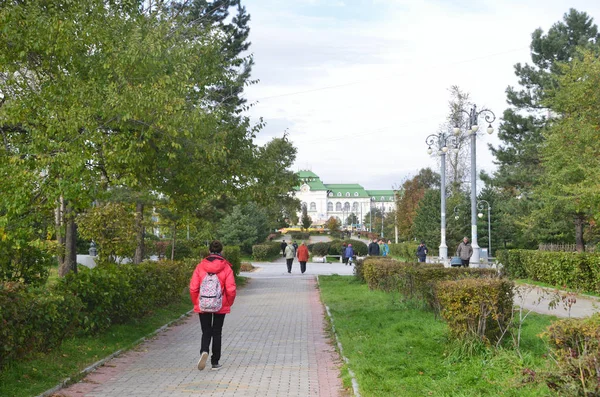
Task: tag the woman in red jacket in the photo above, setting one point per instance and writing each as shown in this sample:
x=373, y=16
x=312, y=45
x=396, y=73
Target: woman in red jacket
x=303, y=256
x=212, y=323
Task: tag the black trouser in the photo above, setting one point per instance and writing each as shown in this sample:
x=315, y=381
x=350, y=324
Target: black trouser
x=289, y=264
x=465, y=262
x=422, y=259
x=302, y=266
x=212, y=328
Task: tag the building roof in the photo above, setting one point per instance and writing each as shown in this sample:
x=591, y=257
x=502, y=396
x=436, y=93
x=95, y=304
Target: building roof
x=354, y=189
x=378, y=194
x=347, y=190
x=311, y=179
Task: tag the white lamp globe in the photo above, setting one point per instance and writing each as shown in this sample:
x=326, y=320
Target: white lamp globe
x=456, y=131
x=480, y=215
x=474, y=128
x=490, y=129
x=445, y=149
x=429, y=151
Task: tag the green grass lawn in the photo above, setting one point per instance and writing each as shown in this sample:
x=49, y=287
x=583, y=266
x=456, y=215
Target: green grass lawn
x=396, y=349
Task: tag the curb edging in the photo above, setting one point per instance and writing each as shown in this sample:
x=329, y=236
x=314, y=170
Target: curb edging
x=68, y=381
x=339, y=345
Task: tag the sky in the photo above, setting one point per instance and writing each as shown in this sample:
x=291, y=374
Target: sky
x=358, y=85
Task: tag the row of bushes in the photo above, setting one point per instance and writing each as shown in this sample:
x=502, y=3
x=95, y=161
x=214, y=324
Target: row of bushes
x=300, y=236
x=266, y=251
x=579, y=271
x=334, y=247
x=38, y=318
x=407, y=250
x=474, y=302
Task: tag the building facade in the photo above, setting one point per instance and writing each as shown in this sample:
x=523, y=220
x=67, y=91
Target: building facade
x=323, y=201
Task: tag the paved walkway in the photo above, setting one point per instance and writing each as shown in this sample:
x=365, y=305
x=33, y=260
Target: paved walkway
x=274, y=344
x=539, y=300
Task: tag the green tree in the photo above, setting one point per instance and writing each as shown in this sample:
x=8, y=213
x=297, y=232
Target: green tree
x=519, y=159
x=571, y=150
x=409, y=196
x=245, y=226
x=333, y=224
x=426, y=225
x=305, y=219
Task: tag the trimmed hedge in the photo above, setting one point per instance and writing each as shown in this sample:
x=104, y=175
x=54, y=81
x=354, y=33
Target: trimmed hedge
x=34, y=320
x=320, y=249
x=266, y=251
x=580, y=271
x=575, y=345
x=334, y=247
x=114, y=294
x=299, y=236
x=407, y=250
x=480, y=308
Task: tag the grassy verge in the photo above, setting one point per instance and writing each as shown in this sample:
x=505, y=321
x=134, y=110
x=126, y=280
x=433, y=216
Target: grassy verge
x=396, y=349
x=41, y=372
x=545, y=285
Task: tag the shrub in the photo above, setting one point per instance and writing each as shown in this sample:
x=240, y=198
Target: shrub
x=25, y=264
x=233, y=256
x=116, y=293
x=299, y=236
x=575, y=344
x=183, y=249
x=480, y=308
x=320, y=249
x=574, y=270
x=406, y=250
x=34, y=320
x=266, y=251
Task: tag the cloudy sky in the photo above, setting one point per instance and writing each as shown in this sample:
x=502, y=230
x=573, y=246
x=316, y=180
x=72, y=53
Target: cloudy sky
x=360, y=84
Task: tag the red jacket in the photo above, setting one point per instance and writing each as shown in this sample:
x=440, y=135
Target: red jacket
x=218, y=265
x=303, y=253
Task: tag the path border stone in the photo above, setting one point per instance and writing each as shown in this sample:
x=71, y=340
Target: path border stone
x=355, y=388
x=69, y=381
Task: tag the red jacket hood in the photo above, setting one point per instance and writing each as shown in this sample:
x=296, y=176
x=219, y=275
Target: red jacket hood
x=214, y=264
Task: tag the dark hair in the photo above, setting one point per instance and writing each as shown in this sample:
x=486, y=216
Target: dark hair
x=216, y=247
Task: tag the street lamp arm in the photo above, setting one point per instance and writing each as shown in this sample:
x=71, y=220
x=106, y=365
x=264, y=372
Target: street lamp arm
x=480, y=205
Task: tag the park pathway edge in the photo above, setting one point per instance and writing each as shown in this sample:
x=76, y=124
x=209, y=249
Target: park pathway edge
x=69, y=381
x=355, y=388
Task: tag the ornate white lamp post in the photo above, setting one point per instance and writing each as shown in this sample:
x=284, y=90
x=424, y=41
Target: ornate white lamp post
x=472, y=127
x=441, y=142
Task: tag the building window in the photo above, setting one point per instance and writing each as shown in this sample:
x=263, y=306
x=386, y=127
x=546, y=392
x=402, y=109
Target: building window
x=382, y=198
x=330, y=194
x=304, y=205
x=313, y=206
x=346, y=206
x=355, y=207
x=338, y=206
x=347, y=194
x=355, y=194
x=329, y=207
x=339, y=194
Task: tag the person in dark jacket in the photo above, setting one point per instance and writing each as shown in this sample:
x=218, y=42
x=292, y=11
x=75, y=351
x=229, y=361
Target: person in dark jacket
x=212, y=323
x=295, y=245
x=343, y=252
x=283, y=245
x=422, y=251
x=349, y=254
x=464, y=251
x=374, y=248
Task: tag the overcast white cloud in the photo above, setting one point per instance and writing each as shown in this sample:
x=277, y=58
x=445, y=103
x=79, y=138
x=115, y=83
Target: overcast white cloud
x=359, y=84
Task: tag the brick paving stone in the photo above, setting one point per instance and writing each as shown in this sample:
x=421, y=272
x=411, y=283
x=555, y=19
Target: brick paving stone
x=274, y=344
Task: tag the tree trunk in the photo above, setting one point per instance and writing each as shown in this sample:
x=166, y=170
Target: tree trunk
x=59, y=214
x=139, y=227
x=579, y=224
x=173, y=243
x=70, y=260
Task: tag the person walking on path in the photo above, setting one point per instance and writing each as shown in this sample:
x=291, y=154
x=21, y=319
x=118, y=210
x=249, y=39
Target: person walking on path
x=464, y=251
x=343, y=252
x=385, y=249
x=349, y=254
x=374, y=248
x=295, y=245
x=422, y=251
x=212, y=322
x=290, y=253
x=283, y=245
x=302, y=256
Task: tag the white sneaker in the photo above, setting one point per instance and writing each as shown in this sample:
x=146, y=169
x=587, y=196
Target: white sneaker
x=202, y=361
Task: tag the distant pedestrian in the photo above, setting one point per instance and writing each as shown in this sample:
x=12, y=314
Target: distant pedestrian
x=380, y=244
x=422, y=251
x=343, y=252
x=358, y=234
x=303, y=256
x=464, y=251
x=283, y=245
x=373, y=248
x=290, y=253
x=212, y=322
x=295, y=245
x=385, y=249
x=349, y=254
